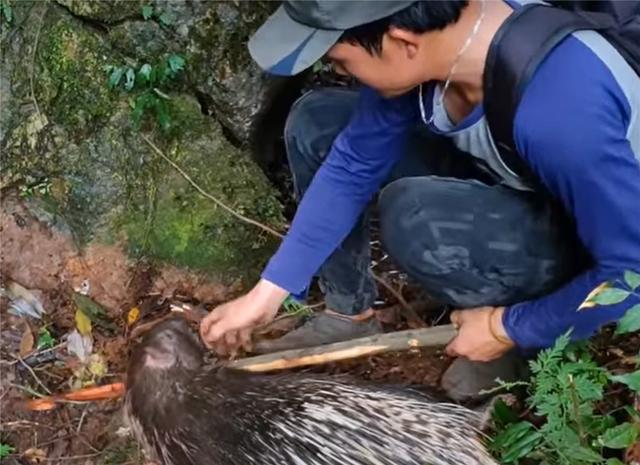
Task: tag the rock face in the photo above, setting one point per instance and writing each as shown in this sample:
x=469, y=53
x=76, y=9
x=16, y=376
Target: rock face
x=68, y=140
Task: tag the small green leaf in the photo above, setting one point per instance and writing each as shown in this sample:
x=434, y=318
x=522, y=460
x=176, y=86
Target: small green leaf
x=142, y=102
x=619, y=437
x=630, y=379
x=176, y=63
x=116, y=76
x=153, y=75
x=632, y=279
x=611, y=296
x=317, y=66
x=145, y=72
x=516, y=442
x=45, y=340
x=6, y=450
x=613, y=461
x=130, y=79
x=147, y=11
x=630, y=322
x=166, y=19
x=8, y=12
x=162, y=113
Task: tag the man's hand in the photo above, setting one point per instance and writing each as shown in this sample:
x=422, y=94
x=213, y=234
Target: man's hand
x=228, y=326
x=475, y=340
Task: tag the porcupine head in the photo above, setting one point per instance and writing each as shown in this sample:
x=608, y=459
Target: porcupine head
x=167, y=358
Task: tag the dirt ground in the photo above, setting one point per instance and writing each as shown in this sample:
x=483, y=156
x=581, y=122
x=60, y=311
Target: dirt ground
x=47, y=265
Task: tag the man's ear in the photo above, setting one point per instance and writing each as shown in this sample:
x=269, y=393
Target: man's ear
x=406, y=40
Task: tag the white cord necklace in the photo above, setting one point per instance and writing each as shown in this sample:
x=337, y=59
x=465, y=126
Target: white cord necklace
x=440, y=102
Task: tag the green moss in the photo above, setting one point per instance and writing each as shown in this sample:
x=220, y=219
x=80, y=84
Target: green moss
x=107, y=11
x=72, y=84
x=222, y=36
x=168, y=220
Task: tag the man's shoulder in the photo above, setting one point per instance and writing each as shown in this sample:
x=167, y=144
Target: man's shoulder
x=580, y=85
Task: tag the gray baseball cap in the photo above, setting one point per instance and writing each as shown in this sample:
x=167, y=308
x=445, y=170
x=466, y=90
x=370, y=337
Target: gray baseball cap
x=300, y=32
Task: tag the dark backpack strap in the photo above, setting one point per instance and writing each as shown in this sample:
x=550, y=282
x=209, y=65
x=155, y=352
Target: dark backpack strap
x=520, y=44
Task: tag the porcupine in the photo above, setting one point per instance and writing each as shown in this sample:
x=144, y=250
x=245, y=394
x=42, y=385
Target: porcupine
x=187, y=412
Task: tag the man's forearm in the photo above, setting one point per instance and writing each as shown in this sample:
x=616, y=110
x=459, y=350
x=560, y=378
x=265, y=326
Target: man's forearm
x=537, y=323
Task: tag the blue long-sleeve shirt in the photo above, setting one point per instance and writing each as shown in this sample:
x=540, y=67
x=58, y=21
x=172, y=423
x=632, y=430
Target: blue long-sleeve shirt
x=578, y=127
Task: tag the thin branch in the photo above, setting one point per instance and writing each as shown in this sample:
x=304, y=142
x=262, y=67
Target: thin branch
x=33, y=373
x=407, y=310
x=401, y=300
x=380, y=343
x=209, y=196
x=36, y=354
x=26, y=389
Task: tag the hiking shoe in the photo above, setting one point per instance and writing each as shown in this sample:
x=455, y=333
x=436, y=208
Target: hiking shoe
x=323, y=328
x=464, y=380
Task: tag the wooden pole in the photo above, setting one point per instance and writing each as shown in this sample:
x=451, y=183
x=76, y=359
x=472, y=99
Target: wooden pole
x=386, y=342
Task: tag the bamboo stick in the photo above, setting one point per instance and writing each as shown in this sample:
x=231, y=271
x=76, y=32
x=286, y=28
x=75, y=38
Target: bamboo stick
x=386, y=342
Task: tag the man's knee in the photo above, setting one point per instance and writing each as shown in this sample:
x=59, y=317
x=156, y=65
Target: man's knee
x=315, y=119
x=403, y=218
x=428, y=231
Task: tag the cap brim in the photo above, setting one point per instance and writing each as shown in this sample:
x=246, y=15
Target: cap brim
x=284, y=47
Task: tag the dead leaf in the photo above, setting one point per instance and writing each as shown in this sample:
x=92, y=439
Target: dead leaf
x=83, y=323
x=133, y=316
x=23, y=301
x=79, y=345
x=27, y=341
x=588, y=302
x=93, y=311
x=35, y=455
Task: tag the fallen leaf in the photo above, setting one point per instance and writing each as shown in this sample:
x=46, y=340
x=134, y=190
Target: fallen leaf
x=79, y=345
x=133, y=315
x=93, y=311
x=588, y=302
x=35, y=455
x=23, y=301
x=83, y=323
x=97, y=365
x=27, y=341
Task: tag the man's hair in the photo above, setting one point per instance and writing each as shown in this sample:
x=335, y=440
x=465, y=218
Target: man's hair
x=420, y=17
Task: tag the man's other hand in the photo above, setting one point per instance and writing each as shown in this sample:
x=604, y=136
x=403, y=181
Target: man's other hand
x=481, y=335
x=228, y=327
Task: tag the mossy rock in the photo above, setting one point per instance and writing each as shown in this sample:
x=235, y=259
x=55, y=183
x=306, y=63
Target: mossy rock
x=170, y=220
x=106, y=11
x=71, y=84
x=112, y=187
x=89, y=165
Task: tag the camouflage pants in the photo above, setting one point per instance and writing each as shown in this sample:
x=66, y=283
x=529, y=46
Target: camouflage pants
x=443, y=219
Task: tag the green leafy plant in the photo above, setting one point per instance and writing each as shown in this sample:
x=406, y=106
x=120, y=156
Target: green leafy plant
x=6, y=450
x=147, y=82
x=149, y=12
x=33, y=187
x=293, y=307
x=6, y=12
x=45, y=339
x=563, y=392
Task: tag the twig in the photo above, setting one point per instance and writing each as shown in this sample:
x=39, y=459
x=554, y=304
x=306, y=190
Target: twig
x=209, y=196
x=35, y=354
x=398, y=340
x=73, y=457
x=408, y=311
x=33, y=373
x=33, y=60
x=84, y=413
x=26, y=389
x=26, y=423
